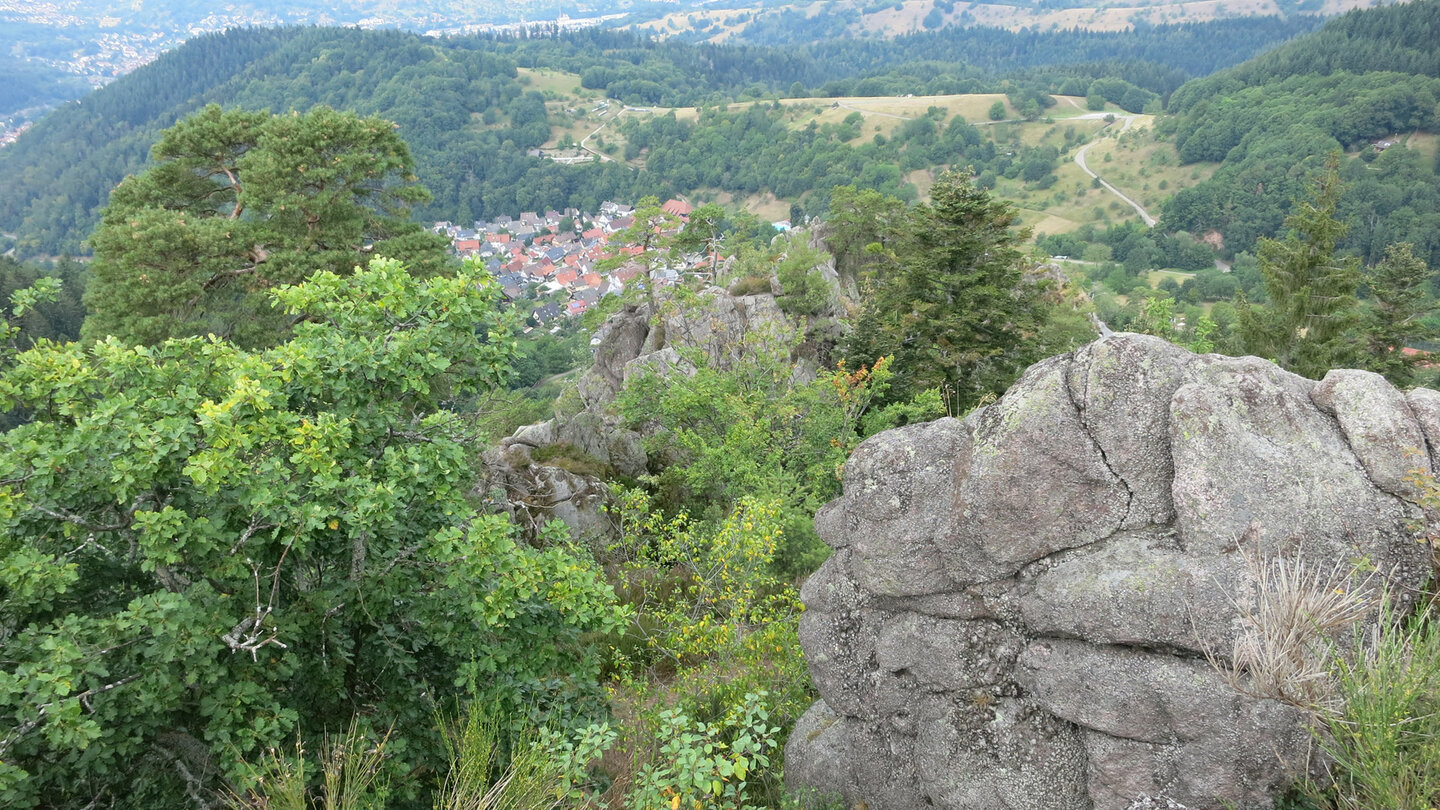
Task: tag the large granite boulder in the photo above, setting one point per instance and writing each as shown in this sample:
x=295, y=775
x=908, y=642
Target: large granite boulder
x=1020, y=603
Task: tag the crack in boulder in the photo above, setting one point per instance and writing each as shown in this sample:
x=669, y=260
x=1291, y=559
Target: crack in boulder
x=1096, y=526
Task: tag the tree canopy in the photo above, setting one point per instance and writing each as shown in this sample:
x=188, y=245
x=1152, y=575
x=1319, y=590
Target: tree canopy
x=238, y=202
x=950, y=302
x=209, y=552
x=1306, y=326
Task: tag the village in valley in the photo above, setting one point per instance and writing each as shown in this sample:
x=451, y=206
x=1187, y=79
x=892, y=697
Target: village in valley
x=559, y=264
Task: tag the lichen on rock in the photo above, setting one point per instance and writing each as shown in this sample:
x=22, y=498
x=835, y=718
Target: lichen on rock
x=1020, y=604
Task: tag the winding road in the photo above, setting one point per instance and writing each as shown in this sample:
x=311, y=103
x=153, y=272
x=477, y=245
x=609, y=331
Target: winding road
x=1080, y=161
x=1079, y=155
x=601, y=155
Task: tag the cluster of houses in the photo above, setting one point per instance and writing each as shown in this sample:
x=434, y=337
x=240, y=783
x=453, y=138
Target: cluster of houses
x=557, y=271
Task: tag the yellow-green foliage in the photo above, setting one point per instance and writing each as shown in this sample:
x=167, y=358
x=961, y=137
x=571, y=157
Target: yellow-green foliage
x=725, y=590
x=719, y=645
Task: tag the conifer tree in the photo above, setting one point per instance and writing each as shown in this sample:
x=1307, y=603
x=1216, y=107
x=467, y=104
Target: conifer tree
x=1307, y=325
x=1398, y=303
x=954, y=310
x=239, y=202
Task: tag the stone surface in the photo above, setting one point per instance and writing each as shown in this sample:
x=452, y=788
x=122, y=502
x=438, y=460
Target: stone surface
x=1020, y=604
x=534, y=494
x=633, y=341
x=1380, y=427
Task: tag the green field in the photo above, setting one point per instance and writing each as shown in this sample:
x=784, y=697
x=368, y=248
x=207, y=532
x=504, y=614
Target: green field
x=1131, y=158
x=1144, y=167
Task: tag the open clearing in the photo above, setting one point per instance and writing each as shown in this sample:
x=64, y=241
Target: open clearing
x=1425, y=143
x=550, y=82
x=1146, y=169
x=1132, y=159
x=907, y=16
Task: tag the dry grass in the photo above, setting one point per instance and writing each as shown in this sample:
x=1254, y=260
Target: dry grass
x=1286, y=651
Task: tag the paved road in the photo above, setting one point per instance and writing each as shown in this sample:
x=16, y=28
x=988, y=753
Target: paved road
x=1080, y=161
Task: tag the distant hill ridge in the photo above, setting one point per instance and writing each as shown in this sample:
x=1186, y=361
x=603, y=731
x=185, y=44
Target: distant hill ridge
x=1368, y=83
x=470, y=119
x=1402, y=38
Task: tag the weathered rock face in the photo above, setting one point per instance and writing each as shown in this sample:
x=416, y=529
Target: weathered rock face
x=534, y=494
x=1018, y=606
x=720, y=326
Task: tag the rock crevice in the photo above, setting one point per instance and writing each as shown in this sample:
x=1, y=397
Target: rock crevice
x=1020, y=604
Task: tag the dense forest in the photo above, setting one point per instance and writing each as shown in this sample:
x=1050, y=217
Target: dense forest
x=1360, y=85
x=469, y=121
x=1189, y=49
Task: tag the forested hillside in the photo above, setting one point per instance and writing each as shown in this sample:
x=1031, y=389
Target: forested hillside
x=1191, y=49
x=30, y=85
x=470, y=119
x=1400, y=38
x=1366, y=84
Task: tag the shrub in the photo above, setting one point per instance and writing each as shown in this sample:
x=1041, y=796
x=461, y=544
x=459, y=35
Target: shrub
x=750, y=285
x=570, y=458
x=1385, y=737
x=720, y=657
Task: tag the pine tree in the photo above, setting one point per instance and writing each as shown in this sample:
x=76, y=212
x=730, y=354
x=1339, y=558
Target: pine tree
x=955, y=310
x=239, y=202
x=1307, y=326
x=1398, y=303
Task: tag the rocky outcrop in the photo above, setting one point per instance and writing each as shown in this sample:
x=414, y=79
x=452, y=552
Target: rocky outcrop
x=534, y=492
x=722, y=328
x=1019, y=604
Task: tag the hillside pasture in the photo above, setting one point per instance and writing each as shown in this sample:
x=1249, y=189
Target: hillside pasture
x=1142, y=166
x=1426, y=143
x=907, y=16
